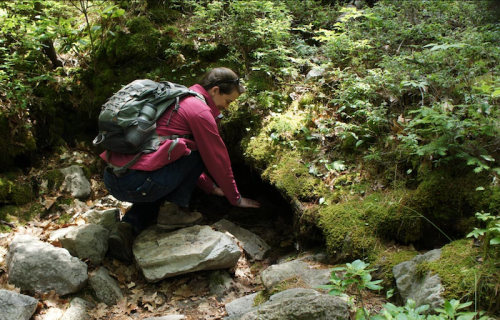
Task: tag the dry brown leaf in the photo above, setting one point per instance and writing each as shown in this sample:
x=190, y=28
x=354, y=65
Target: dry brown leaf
x=184, y=291
x=100, y=311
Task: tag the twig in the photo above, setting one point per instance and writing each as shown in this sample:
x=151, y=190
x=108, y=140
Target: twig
x=7, y=224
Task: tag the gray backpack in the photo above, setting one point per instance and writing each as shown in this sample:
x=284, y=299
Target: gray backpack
x=127, y=122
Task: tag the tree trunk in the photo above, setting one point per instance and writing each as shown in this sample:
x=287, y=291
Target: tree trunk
x=50, y=52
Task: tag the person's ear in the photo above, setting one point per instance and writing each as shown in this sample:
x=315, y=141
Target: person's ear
x=214, y=91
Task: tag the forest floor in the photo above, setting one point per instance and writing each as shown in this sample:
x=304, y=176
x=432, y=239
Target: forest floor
x=199, y=295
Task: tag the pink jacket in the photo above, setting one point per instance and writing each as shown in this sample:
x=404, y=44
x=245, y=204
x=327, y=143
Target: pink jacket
x=199, y=120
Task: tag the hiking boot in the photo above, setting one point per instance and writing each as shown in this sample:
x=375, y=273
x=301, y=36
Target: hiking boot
x=171, y=217
x=120, y=242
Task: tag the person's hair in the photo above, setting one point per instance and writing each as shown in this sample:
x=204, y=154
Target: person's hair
x=224, y=78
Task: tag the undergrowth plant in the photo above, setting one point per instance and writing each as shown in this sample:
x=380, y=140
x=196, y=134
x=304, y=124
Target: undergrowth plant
x=356, y=275
x=489, y=235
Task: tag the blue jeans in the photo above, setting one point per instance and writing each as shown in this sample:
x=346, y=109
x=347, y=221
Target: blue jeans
x=147, y=190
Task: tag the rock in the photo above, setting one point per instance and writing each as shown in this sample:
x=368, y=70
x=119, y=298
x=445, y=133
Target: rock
x=39, y=267
x=105, y=287
x=16, y=306
x=242, y=305
x=78, y=310
x=315, y=72
x=425, y=289
x=170, y=317
x=162, y=254
x=105, y=218
x=75, y=182
x=299, y=269
x=297, y=304
x=85, y=242
x=252, y=244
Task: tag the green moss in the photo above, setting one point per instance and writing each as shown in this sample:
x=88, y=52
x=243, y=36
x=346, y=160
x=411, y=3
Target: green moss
x=461, y=273
x=449, y=201
x=15, y=192
x=64, y=218
x=12, y=145
x=290, y=175
x=290, y=283
x=54, y=179
x=347, y=236
x=261, y=297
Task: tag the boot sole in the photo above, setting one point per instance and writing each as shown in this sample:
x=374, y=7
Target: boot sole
x=177, y=226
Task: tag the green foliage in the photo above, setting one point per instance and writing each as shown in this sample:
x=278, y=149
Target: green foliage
x=354, y=274
x=490, y=235
x=411, y=311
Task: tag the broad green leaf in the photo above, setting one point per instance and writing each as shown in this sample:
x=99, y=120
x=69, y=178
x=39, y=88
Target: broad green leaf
x=373, y=286
x=495, y=241
x=118, y=13
x=467, y=316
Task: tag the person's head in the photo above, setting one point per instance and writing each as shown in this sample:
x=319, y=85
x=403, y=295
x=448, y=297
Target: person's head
x=223, y=85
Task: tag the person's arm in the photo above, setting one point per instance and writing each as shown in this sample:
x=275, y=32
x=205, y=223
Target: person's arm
x=214, y=154
x=205, y=183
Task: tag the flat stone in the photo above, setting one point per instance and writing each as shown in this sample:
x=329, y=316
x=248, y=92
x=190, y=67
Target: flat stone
x=251, y=243
x=16, y=306
x=161, y=254
x=294, y=269
x=298, y=304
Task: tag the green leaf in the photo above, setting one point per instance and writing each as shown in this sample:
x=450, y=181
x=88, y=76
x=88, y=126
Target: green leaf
x=477, y=233
x=96, y=27
x=450, y=307
x=373, y=286
x=495, y=241
x=335, y=292
x=467, y=316
x=118, y=13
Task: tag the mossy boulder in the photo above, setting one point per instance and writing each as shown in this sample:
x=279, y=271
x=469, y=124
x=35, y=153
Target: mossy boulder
x=142, y=40
x=15, y=192
x=356, y=228
x=15, y=140
x=467, y=276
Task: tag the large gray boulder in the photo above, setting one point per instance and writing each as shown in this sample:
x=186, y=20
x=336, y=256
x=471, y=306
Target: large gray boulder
x=252, y=244
x=162, y=254
x=85, y=242
x=297, y=304
x=39, y=267
x=423, y=289
x=294, y=269
x=75, y=182
x=16, y=306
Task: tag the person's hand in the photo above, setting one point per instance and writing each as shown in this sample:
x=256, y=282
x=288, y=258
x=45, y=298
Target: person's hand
x=248, y=203
x=218, y=192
